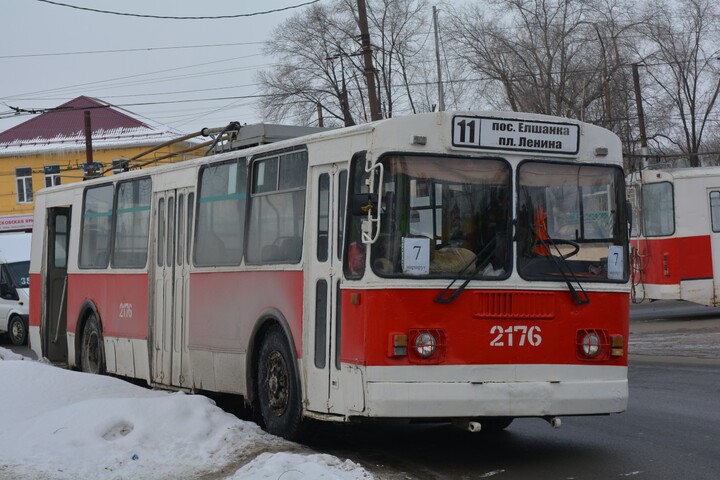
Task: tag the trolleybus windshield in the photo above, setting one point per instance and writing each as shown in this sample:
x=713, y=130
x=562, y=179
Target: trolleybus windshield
x=440, y=214
x=574, y=212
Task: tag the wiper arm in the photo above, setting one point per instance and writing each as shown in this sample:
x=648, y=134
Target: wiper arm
x=569, y=277
x=492, y=247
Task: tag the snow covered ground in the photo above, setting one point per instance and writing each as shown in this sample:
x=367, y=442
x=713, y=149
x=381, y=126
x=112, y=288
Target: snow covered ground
x=61, y=424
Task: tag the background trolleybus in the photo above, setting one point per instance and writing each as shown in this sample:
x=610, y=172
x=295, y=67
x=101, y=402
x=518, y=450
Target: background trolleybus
x=470, y=267
x=676, y=235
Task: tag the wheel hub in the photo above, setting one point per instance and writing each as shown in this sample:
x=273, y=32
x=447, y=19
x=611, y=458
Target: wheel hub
x=276, y=383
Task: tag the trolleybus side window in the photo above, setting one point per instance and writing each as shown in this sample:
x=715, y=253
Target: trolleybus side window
x=342, y=194
x=190, y=210
x=277, y=208
x=658, y=209
x=96, y=230
x=219, y=227
x=323, y=227
x=132, y=224
x=715, y=210
x=354, y=259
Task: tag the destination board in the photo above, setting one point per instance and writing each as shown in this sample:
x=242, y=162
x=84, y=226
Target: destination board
x=519, y=135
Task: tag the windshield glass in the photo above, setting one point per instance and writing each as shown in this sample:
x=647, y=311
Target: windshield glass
x=20, y=274
x=571, y=211
x=443, y=215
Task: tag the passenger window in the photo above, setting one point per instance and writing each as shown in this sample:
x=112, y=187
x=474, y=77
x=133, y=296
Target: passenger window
x=323, y=226
x=132, y=224
x=96, y=230
x=715, y=211
x=277, y=209
x=219, y=227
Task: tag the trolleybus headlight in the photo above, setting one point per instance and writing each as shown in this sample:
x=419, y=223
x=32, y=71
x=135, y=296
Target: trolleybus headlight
x=426, y=344
x=591, y=344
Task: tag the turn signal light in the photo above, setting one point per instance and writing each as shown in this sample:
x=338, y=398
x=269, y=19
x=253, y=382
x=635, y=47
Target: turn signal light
x=617, y=346
x=398, y=345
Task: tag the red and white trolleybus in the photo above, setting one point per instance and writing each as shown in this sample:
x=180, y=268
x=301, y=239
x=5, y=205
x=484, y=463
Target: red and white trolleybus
x=470, y=267
x=676, y=235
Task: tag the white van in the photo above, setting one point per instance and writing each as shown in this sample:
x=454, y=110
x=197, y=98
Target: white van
x=15, y=285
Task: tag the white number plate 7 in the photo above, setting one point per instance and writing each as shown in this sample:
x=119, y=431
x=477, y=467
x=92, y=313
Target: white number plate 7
x=515, y=335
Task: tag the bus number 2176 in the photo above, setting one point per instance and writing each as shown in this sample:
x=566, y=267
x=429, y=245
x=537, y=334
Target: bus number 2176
x=515, y=335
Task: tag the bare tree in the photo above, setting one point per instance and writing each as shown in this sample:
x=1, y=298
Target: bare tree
x=558, y=57
x=311, y=70
x=684, y=61
x=318, y=62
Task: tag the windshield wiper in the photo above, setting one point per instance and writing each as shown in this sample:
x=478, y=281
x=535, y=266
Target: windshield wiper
x=492, y=247
x=569, y=277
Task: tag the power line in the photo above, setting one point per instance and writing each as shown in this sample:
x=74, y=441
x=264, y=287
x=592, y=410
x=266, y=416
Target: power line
x=126, y=50
x=165, y=17
x=100, y=82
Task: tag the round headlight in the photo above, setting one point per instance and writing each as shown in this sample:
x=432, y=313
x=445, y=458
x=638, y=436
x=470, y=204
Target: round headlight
x=425, y=344
x=591, y=344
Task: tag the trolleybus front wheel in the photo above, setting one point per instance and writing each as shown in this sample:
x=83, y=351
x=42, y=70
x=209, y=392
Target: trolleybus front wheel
x=495, y=424
x=92, y=354
x=277, y=386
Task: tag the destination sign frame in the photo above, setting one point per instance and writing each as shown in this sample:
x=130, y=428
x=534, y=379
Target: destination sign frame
x=494, y=133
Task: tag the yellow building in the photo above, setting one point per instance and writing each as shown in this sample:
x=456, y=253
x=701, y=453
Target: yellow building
x=50, y=149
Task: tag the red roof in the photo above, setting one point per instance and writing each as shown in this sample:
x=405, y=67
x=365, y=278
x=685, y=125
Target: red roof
x=68, y=120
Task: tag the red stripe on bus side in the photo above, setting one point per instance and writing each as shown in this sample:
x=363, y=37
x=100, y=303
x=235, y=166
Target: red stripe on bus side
x=120, y=298
x=471, y=327
x=686, y=258
x=224, y=307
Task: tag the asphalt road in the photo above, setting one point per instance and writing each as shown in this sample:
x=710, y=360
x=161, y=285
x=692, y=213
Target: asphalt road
x=671, y=429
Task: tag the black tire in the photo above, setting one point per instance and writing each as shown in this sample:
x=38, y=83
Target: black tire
x=17, y=330
x=278, y=389
x=92, y=351
x=495, y=424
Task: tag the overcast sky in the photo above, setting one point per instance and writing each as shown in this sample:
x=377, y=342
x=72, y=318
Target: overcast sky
x=159, y=80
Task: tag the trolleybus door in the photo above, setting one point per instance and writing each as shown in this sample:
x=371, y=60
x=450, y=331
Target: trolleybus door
x=714, y=199
x=170, y=283
x=322, y=336
x=54, y=326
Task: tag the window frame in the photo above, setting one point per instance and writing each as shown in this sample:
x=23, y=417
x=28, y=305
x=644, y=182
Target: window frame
x=24, y=175
x=82, y=227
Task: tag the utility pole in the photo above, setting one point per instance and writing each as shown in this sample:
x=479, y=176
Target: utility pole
x=441, y=93
x=606, y=81
x=367, y=55
x=641, y=115
x=321, y=122
x=90, y=169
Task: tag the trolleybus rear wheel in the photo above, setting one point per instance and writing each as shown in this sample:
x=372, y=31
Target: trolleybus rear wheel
x=278, y=387
x=92, y=354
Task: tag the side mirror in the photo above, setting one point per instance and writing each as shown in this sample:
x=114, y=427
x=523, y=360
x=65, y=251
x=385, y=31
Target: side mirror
x=363, y=203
